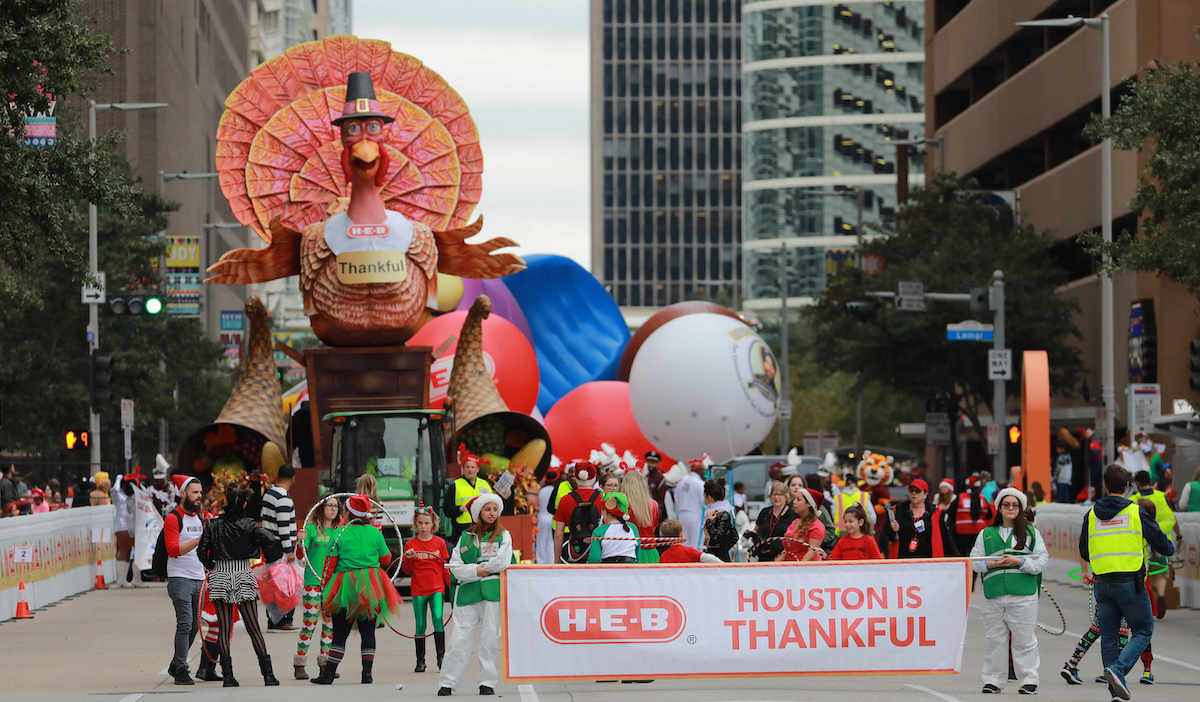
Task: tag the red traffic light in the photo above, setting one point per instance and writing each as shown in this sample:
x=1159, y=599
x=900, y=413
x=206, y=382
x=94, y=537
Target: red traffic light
x=1014, y=434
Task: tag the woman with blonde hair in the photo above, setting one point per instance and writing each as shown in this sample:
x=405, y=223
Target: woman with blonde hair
x=641, y=506
x=369, y=486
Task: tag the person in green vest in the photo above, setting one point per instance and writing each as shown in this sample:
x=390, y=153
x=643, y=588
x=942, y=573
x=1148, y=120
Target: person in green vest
x=1015, y=558
x=1189, y=499
x=1110, y=547
x=318, y=537
x=1165, y=518
x=482, y=553
x=467, y=487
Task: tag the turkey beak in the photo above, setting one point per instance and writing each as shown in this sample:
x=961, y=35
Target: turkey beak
x=364, y=156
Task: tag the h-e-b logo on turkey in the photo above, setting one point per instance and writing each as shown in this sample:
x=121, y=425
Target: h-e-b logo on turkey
x=607, y=620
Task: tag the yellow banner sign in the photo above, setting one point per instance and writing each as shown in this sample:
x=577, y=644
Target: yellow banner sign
x=183, y=252
x=358, y=267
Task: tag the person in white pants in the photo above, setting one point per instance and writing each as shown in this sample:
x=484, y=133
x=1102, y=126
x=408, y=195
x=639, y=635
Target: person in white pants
x=484, y=550
x=689, y=500
x=1012, y=572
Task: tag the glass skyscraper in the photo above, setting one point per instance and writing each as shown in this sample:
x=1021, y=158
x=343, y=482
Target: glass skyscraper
x=829, y=87
x=666, y=161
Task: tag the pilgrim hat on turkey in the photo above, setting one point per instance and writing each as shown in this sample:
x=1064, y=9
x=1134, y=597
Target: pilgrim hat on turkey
x=253, y=415
x=360, y=99
x=473, y=398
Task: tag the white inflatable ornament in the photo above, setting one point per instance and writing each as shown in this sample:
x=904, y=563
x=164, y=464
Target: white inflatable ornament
x=704, y=383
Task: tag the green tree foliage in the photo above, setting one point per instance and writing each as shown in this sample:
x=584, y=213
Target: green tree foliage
x=45, y=50
x=951, y=242
x=1160, y=115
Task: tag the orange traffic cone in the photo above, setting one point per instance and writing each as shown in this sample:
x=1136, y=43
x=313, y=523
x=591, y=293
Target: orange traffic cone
x=100, y=575
x=22, y=604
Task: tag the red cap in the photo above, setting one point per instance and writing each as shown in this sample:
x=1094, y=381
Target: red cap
x=465, y=456
x=583, y=471
x=919, y=484
x=359, y=506
x=37, y=492
x=181, y=481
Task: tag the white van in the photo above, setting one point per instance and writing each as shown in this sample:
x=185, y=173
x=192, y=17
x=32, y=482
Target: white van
x=752, y=471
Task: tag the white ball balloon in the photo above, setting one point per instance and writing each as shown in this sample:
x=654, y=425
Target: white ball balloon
x=704, y=383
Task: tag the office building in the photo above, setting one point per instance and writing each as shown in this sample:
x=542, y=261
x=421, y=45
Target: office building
x=1009, y=104
x=829, y=87
x=666, y=150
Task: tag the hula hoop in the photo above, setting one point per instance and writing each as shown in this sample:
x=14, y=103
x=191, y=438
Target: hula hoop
x=1077, y=574
x=447, y=603
x=1061, y=617
x=820, y=551
x=399, y=537
x=1164, y=569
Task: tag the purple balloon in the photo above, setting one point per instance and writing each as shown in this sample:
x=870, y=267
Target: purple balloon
x=503, y=302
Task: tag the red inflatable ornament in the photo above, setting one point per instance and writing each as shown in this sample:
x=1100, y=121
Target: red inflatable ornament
x=597, y=413
x=506, y=351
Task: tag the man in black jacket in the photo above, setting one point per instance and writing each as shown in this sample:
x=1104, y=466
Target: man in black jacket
x=1111, y=548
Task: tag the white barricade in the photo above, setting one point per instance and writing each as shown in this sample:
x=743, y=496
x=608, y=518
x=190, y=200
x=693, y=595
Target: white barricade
x=54, y=554
x=726, y=620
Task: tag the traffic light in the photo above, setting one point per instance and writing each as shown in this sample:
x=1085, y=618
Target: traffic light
x=73, y=440
x=136, y=303
x=100, y=378
x=1194, y=365
x=1014, y=434
x=1013, y=447
x=979, y=300
x=861, y=310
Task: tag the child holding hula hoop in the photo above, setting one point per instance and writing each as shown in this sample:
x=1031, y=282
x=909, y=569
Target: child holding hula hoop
x=425, y=558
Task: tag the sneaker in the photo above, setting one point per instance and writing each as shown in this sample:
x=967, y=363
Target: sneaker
x=991, y=689
x=1147, y=678
x=1027, y=690
x=1101, y=679
x=485, y=690
x=1117, y=683
x=444, y=692
x=1071, y=674
x=182, y=678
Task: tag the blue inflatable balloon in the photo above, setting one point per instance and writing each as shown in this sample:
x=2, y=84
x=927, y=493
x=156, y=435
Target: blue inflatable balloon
x=578, y=330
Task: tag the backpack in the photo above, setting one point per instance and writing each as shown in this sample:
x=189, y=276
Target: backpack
x=584, y=520
x=158, y=563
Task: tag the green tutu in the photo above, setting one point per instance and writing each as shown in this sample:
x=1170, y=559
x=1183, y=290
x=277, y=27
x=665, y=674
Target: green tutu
x=366, y=593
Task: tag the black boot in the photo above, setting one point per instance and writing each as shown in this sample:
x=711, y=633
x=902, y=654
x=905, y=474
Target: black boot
x=366, y=673
x=328, y=672
x=264, y=664
x=439, y=644
x=208, y=662
x=227, y=671
x=420, y=644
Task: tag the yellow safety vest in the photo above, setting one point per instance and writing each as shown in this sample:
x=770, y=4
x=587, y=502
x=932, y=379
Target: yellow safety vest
x=1162, y=512
x=842, y=501
x=1115, y=545
x=464, y=491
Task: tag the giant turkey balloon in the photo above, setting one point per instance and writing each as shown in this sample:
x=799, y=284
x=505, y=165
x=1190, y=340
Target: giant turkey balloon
x=592, y=414
x=704, y=383
x=506, y=351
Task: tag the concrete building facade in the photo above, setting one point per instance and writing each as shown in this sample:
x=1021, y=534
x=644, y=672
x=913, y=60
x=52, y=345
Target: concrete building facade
x=1009, y=104
x=666, y=150
x=829, y=87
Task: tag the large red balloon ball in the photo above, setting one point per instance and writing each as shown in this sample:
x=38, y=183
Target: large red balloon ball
x=506, y=351
x=596, y=413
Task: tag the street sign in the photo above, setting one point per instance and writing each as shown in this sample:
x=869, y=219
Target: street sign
x=94, y=294
x=1145, y=406
x=1000, y=364
x=937, y=427
x=910, y=296
x=969, y=330
x=785, y=409
x=128, y=444
x=993, y=439
x=126, y=413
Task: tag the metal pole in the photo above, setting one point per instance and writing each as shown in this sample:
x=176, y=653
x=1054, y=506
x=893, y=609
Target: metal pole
x=784, y=422
x=858, y=402
x=93, y=310
x=1107, y=379
x=162, y=360
x=999, y=399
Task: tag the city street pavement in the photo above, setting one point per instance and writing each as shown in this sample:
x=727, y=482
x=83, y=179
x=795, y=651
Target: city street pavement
x=116, y=644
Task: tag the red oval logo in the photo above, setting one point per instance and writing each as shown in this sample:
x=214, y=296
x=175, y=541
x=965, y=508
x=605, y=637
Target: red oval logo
x=601, y=620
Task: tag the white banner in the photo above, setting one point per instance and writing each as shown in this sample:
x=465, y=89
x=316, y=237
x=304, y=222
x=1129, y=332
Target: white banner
x=746, y=619
x=147, y=522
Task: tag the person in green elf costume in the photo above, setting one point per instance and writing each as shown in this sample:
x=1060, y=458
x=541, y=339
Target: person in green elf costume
x=616, y=540
x=483, y=551
x=319, y=535
x=1015, y=558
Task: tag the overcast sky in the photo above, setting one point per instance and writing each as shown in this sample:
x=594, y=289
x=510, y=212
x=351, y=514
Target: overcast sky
x=522, y=67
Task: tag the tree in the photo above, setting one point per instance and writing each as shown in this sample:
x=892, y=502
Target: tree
x=1159, y=115
x=48, y=53
x=950, y=241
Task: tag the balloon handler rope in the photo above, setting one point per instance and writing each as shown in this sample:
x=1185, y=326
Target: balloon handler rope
x=399, y=537
x=647, y=541
x=819, y=551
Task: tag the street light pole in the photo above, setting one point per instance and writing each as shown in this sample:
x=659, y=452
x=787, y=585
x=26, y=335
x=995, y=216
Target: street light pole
x=93, y=328
x=999, y=392
x=785, y=416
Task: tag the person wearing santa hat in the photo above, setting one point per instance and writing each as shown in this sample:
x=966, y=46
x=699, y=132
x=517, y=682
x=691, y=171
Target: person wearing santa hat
x=358, y=591
x=466, y=487
x=37, y=497
x=181, y=535
x=1010, y=557
x=483, y=551
x=579, y=508
x=802, y=540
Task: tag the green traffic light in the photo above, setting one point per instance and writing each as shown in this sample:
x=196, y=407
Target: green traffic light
x=154, y=305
